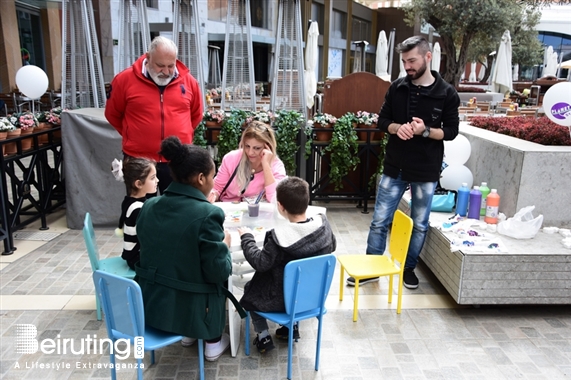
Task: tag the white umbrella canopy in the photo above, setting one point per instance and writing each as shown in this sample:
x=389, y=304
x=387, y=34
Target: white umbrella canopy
x=502, y=74
x=551, y=66
x=436, y=56
x=311, y=58
x=515, y=73
x=382, y=57
x=482, y=72
x=472, y=77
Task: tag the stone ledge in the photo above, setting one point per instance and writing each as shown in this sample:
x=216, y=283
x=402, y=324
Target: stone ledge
x=524, y=173
x=534, y=271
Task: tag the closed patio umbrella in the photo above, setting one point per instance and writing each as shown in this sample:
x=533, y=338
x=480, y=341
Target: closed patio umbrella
x=482, y=72
x=436, y=55
x=382, y=62
x=311, y=57
x=502, y=73
x=551, y=66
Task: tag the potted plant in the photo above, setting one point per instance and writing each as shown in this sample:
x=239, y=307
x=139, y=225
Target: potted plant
x=43, y=124
x=323, y=120
x=27, y=122
x=287, y=126
x=5, y=127
x=199, y=135
x=213, y=119
x=54, y=118
x=343, y=149
x=230, y=132
x=263, y=116
x=366, y=120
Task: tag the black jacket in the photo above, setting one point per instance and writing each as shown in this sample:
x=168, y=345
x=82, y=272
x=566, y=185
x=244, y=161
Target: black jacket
x=419, y=159
x=281, y=245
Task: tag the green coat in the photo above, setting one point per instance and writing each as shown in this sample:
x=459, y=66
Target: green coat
x=181, y=236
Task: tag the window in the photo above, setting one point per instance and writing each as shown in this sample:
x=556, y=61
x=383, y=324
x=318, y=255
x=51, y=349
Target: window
x=261, y=12
x=217, y=10
x=152, y=4
x=30, y=30
x=339, y=25
x=317, y=15
x=361, y=30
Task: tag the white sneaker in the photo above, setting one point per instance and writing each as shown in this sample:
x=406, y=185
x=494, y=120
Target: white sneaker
x=187, y=342
x=213, y=351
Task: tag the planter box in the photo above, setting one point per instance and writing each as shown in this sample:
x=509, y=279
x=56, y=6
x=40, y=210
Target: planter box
x=524, y=173
x=533, y=271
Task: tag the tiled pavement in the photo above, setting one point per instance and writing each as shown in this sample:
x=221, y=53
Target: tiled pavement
x=49, y=285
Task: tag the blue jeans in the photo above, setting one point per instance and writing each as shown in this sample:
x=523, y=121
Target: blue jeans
x=389, y=193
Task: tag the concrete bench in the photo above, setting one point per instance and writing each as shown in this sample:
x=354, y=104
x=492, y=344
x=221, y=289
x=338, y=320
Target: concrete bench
x=533, y=271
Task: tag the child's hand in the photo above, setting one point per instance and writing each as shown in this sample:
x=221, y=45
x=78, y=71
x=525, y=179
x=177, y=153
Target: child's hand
x=227, y=238
x=244, y=230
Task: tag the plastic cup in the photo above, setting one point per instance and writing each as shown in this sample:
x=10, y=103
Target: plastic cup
x=254, y=209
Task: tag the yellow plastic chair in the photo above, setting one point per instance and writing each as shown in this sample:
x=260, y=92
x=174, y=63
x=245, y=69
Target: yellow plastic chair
x=367, y=266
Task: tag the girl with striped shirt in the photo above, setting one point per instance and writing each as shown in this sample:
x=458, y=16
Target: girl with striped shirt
x=140, y=177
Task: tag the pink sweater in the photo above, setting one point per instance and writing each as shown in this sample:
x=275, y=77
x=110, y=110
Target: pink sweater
x=229, y=162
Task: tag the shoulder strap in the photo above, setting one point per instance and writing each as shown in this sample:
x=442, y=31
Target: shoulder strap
x=228, y=183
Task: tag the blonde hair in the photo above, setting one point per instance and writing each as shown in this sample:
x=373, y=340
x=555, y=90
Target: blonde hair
x=264, y=134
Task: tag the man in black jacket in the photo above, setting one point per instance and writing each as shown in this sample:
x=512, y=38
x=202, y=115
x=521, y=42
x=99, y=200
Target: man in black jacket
x=419, y=112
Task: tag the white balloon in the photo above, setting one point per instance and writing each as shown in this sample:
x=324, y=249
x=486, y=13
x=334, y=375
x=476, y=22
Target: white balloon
x=454, y=175
x=457, y=151
x=557, y=103
x=32, y=81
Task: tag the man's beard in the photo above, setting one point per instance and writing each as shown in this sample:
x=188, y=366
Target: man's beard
x=159, y=79
x=420, y=72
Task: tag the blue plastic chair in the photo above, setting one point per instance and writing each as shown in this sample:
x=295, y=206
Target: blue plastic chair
x=114, y=265
x=122, y=302
x=306, y=284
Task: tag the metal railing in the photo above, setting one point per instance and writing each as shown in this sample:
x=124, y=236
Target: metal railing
x=31, y=183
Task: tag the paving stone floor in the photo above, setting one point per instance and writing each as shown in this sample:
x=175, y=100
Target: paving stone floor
x=428, y=340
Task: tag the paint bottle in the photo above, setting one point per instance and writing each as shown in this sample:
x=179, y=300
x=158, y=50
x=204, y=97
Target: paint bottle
x=463, y=199
x=485, y=190
x=492, y=207
x=475, y=203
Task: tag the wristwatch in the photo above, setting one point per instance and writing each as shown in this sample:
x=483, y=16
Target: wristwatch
x=426, y=132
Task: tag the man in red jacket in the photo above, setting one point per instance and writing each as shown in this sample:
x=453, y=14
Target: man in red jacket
x=155, y=98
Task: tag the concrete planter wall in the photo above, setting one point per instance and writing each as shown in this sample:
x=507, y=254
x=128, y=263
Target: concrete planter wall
x=524, y=173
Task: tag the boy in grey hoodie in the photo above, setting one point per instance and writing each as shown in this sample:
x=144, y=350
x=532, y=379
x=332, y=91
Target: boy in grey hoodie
x=302, y=237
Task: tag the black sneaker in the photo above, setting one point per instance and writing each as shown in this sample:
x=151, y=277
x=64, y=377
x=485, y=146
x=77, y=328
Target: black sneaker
x=410, y=280
x=283, y=333
x=264, y=344
x=351, y=281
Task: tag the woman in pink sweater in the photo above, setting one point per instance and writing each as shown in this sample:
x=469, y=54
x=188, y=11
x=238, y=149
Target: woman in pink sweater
x=253, y=167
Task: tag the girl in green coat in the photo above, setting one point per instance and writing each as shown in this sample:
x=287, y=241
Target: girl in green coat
x=185, y=256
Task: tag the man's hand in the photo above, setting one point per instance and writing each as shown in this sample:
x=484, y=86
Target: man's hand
x=227, y=238
x=405, y=131
x=418, y=125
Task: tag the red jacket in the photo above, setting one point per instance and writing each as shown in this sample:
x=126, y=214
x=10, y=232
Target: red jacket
x=144, y=116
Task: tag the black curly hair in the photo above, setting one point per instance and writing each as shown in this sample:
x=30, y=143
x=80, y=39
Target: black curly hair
x=186, y=161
